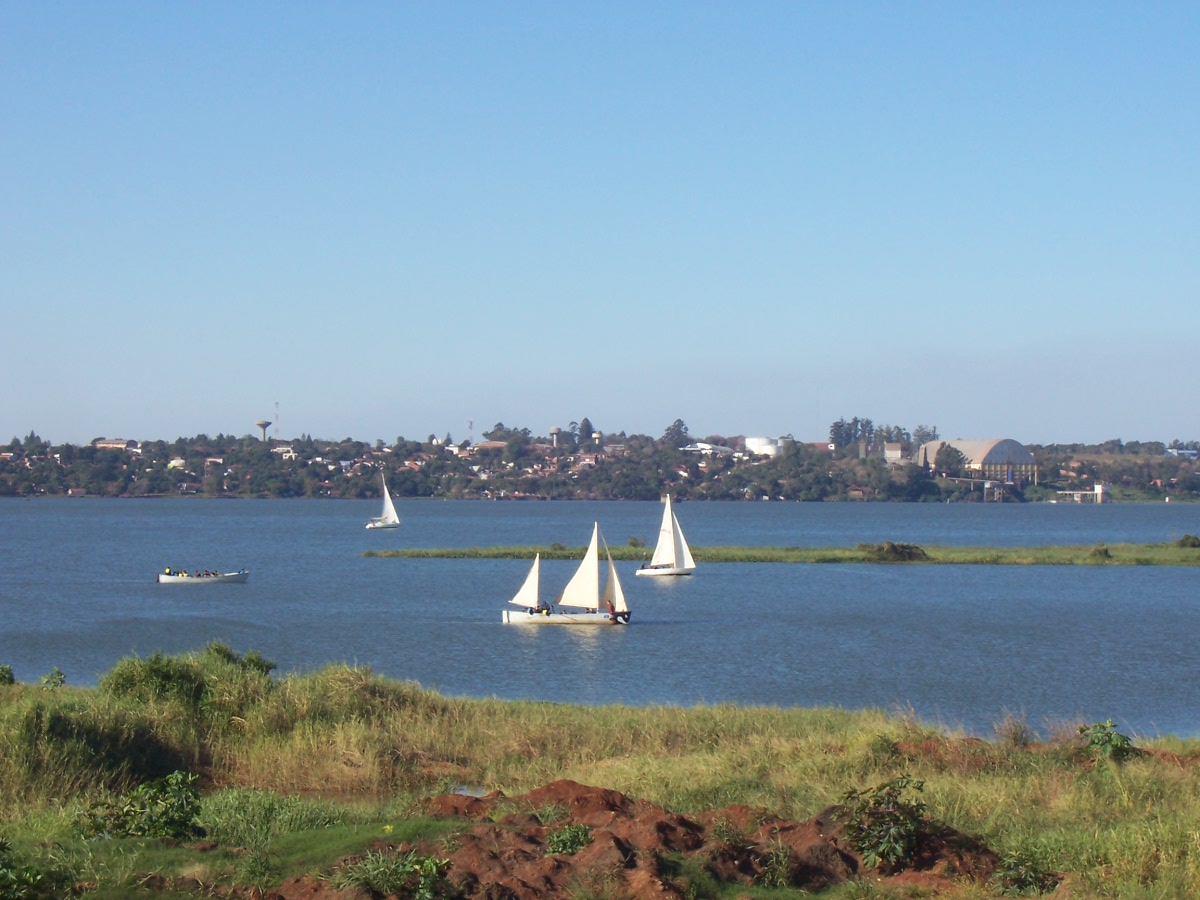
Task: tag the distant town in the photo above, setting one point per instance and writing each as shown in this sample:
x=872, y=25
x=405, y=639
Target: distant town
x=860, y=462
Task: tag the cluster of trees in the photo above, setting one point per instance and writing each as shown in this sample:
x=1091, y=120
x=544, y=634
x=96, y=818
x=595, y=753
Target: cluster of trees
x=856, y=431
x=578, y=463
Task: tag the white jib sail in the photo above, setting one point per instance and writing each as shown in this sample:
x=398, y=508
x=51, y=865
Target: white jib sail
x=583, y=590
x=528, y=594
x=612, y=591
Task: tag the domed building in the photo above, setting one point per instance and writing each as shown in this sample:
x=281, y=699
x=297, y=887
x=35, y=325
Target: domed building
x=998, y=459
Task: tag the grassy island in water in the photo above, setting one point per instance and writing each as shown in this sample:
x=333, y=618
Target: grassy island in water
x=1184, y=552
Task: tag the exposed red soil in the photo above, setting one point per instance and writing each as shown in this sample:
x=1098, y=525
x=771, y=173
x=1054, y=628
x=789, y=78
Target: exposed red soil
x=637, y=850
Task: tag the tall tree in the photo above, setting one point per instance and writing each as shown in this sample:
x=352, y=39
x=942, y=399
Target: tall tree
x=676, y=435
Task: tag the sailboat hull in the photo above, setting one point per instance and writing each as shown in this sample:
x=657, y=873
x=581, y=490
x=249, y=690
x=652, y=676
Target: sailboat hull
x=383, y=524
x=529, y=617
x=665, y=570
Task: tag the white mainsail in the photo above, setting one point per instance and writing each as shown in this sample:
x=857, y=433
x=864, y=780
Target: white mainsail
x=388, y=518
x=671, y=551
x=583, y=590
x=528, y=594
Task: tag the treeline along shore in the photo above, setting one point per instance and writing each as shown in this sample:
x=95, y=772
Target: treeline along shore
x=205, y=771
x=1183, y=552
x=858, y=463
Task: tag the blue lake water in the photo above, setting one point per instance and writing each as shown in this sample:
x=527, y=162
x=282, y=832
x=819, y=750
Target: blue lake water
x=959, y=645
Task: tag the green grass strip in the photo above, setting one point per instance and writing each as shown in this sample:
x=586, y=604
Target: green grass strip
x=888, y=553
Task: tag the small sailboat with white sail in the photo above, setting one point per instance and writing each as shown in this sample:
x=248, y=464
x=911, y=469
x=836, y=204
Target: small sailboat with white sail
x=387, y=518
x=671, y=553
x=582, y=602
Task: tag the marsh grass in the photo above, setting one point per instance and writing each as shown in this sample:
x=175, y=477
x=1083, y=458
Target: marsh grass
x=888, y=553
x=317, y=765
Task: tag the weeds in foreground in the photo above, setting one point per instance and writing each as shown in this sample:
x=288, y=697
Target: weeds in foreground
x=386, y=874
x=1018, y=875
x=568, y=840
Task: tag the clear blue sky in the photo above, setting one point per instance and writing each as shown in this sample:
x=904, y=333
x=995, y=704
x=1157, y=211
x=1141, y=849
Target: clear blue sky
x=397, y=218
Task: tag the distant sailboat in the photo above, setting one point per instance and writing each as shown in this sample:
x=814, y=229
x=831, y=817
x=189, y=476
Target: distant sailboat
x=671, y=554
x=388, y=518
x=582, y=601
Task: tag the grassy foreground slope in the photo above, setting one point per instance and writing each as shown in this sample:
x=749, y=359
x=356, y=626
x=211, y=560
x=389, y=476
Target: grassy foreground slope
x=323, y=763
x=1184, y=552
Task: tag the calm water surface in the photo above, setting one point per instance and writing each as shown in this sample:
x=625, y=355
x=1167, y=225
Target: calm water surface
x=961, y=646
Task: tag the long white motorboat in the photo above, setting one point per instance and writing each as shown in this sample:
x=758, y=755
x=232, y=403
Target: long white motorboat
x=671, y=553
x=582, y=602
x=170, y=576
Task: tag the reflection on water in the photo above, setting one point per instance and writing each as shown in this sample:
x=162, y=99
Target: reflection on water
x=960, y=645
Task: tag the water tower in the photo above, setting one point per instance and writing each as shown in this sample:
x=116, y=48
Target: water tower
x=554, y=433
x=262, y=426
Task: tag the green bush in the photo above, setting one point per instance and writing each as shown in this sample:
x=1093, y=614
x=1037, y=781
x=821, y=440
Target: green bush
x=884, y=825
x=53, y=680
x=1188, y=541
x=166, y=808
x=1017, y=875
x=1103, y=739
x=156, y=677
x=568, y=840
x=6, y=676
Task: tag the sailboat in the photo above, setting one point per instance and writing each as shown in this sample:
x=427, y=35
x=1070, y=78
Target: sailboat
x=671, y=553
x=387, y=518
x=582, y=601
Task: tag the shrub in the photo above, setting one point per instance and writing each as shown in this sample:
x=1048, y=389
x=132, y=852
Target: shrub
x=1100, y=552
x=1188, y=541
x=568, y=840
x=883, y=825
x=166, y=808
x=1017, y=875
x=156, y=677
x=1103, y=739
x=53, y=680
x=23, y=882
x=6, y=676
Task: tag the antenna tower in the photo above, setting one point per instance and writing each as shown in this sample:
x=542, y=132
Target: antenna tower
x=276, y=420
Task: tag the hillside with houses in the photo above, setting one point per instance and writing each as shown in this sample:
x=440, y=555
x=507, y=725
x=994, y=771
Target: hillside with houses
x=860, y=462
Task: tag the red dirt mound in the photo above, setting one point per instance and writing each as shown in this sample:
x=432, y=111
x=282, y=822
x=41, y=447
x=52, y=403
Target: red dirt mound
x=638, y=849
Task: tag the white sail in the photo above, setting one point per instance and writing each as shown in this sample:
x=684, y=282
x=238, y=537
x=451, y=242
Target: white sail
x=613, y=595
x=671, y=551
x=388, y=518
x=583, y=590
x=528, y=594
